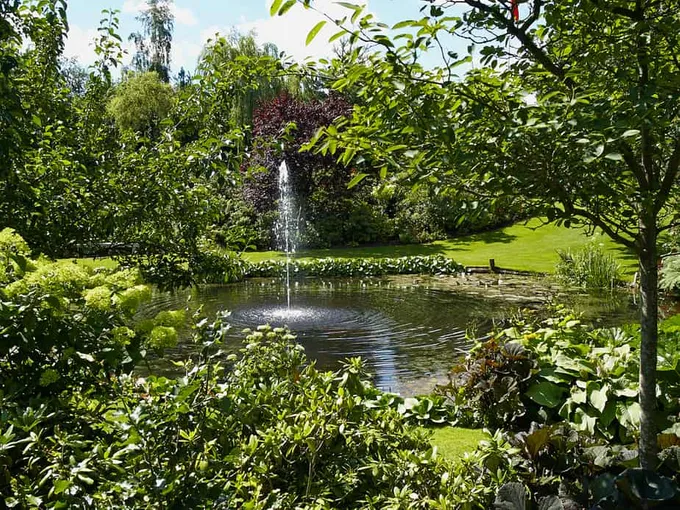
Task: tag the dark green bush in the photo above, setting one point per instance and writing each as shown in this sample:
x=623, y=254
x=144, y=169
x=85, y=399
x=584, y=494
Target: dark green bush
x=356, y=267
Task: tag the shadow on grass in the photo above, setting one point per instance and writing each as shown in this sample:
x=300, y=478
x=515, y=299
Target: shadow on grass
x=397, y=250
x=626, y=257
x=402, y=250
x=492, y=237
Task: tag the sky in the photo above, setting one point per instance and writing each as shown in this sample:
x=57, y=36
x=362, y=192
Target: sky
x=198, y=20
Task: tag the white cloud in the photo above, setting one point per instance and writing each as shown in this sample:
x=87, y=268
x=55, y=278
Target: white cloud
x=183, y=15
x=289, y=32
x=184, y=54
x=80, y=44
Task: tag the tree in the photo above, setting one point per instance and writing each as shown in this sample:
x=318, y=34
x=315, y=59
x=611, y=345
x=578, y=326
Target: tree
x=154, y=42
x=140, y=102
x=575, y=111
x=225, y=54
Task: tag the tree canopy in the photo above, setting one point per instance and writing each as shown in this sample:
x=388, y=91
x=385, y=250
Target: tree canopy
x=574, y=110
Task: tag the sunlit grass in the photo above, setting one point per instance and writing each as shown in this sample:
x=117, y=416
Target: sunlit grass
x=527, y=246
x=453, y=442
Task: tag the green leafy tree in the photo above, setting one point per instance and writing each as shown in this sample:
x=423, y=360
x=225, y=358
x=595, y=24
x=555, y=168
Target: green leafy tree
x=224, y=56
x=154, y=42
x=140, y=102
x=575, y=111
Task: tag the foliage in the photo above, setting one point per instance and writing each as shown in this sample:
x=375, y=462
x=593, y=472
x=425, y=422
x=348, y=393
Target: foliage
x=670, y=274
x=224, y=54
x=589, y=267
x=356, y=267
x=575, y=111
x=561, y=370
x=155, y=41
x=319, y=184
x=64, y=324
x=635, y=488
x=271, y=431
x=140, y=103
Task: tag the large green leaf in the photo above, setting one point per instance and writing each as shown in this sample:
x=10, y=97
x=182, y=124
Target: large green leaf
x=314, y=31
x=598, y=396
x=546, y=394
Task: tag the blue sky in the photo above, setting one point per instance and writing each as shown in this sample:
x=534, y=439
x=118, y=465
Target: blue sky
x=198, y=20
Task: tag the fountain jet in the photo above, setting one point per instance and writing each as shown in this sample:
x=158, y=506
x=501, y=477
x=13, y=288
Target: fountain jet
x=285, y=222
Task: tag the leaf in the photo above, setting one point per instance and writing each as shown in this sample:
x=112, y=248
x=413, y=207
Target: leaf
x=403, y=24
x=546, y=394
x=511, y=496
x=537, y=440
x=584, y=421
x=314, y=31
x=337, y=36
x=550, y=503
x=286, y=7
x=603, y=487
x=356, y=180
x=348, y=5
x=643, y=486
x=598, y=397
x=275, y=7
x=629, y=415
x=61, y=485
x=614, y=156
x=630, y=132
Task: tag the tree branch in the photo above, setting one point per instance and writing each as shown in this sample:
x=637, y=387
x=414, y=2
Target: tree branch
x=670, y=177
x=615, y=9
x=526, y=40
x=633, y=164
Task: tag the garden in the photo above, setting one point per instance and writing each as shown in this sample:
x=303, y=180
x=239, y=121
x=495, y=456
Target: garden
x=356, y=282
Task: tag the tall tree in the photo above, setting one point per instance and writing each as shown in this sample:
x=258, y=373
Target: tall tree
x=154, y=42
x=576, y=110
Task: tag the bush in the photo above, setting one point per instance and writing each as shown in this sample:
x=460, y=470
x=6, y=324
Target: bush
x=271, y=432
x=589, y=268
x=356, y=267
x=560, y=370
x=62, y=324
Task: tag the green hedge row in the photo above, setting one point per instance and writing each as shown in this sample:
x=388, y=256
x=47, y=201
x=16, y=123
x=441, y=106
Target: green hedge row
x=431, y=265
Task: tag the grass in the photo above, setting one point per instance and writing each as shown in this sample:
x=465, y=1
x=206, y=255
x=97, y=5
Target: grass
x=453, y=442
x=104, y=262
x=528, y=246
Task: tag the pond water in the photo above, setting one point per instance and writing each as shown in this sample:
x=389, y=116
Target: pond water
x=408, y=330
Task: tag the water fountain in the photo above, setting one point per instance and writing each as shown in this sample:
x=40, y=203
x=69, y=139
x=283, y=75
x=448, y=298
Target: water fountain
x=284, y=226
x=408, y=334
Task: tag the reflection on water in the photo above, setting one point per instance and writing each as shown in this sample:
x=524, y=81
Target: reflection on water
x=408, y=335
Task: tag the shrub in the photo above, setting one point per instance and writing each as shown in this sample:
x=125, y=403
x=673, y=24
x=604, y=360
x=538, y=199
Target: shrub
x=589, y=268
x=272, y=432
x=331, y=267
x=63, y=324
x=561, y=370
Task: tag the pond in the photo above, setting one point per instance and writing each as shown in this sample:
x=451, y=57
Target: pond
x=408, y=330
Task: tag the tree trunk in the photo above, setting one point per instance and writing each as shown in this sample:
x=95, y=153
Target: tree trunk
x=649, y=293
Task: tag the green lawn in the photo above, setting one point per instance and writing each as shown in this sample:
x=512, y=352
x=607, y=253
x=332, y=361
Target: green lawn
x=453, y=442
x=528, y=246
x=105, y=262
x=524, y=246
